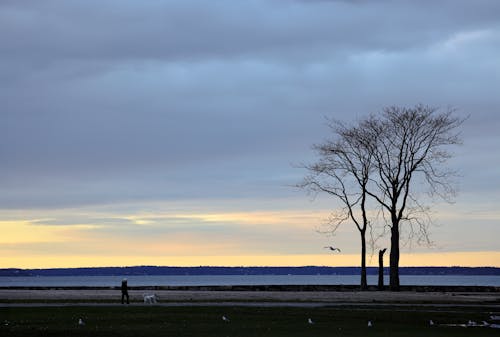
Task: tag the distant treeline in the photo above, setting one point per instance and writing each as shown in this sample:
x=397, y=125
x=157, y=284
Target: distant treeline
x=207, y=270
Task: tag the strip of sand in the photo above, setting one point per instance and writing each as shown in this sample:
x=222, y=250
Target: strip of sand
x=193, y=296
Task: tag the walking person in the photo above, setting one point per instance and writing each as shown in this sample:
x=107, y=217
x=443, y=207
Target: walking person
x=125, y=291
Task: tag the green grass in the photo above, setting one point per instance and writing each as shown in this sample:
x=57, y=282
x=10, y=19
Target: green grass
x=245, y=321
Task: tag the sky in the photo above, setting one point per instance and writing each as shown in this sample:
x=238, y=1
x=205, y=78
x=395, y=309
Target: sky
x=172, y=132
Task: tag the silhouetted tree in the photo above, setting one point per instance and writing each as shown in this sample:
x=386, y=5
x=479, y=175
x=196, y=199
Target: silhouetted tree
x=342, y=171
x=408, y=152
x=391, y=157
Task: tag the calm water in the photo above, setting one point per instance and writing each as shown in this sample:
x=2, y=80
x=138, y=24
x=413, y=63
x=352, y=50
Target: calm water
x=206, y=280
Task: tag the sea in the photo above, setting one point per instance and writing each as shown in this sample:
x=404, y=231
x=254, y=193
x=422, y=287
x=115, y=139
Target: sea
x=234, y=280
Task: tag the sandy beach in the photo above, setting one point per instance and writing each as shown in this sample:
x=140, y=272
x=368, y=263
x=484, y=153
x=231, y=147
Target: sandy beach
x=187, y=296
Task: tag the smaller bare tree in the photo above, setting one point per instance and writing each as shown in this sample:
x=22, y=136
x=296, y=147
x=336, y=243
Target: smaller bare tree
x=343, y=171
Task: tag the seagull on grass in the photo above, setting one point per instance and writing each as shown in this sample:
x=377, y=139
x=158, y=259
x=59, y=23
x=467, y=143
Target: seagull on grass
x=81, y=322
x=332, y=248
x=225, y=319
x=310, y=321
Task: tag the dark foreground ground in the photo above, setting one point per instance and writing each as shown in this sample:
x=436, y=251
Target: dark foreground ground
x=243, y=321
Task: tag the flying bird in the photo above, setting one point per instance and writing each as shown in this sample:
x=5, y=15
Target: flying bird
x=333, y=248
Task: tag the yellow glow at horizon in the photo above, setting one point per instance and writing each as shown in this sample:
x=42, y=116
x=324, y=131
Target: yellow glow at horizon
x=466, y=259
x=26, y=231
x=156, y=250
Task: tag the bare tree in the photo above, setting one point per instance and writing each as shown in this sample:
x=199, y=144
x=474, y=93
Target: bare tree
x=343, y=172
x=408, y=152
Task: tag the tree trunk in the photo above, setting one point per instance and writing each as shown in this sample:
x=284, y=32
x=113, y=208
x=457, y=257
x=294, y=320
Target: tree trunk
x=394, y=258
x=364, y=283
x=381, y=269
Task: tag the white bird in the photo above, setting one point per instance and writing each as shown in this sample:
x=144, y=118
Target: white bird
x=81, y=322
x=310, y=321
x=332, y=248
x=431, y=322
x=225, y=319
x=370, y=324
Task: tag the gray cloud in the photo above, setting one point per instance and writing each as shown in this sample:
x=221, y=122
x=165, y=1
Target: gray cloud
x=105, y=101
x=195, y=29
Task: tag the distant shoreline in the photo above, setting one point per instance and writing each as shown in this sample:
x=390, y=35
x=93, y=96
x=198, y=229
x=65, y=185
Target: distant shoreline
x=215, y=270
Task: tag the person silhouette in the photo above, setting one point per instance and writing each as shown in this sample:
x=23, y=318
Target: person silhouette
x=125, y=291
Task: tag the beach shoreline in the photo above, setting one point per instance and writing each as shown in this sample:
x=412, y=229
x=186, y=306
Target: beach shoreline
x=216, y=295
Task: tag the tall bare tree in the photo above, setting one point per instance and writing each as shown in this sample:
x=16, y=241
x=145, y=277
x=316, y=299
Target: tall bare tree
x=343, y=171
x=392, y=158
x=408, y=153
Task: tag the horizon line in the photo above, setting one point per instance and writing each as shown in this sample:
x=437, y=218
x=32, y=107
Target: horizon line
x=222, y=266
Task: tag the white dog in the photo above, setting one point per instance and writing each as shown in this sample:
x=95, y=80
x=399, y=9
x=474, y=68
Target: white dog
x=150, y=299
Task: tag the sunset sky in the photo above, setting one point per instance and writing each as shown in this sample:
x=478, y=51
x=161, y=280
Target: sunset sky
x=172, y=132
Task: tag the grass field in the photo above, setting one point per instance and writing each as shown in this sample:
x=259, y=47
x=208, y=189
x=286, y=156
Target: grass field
x=244, y=321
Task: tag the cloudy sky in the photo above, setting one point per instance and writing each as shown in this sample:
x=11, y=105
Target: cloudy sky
x=169, y=132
